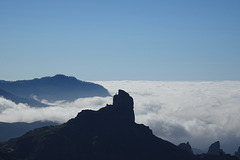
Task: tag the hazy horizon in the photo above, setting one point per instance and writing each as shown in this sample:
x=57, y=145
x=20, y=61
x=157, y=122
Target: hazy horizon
x=106, y=80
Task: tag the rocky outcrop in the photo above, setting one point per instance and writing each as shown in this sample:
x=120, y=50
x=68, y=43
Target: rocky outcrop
x=124, y=106
x=237, y=154
x=186, y=147
x=215, y=149
x=109, y=133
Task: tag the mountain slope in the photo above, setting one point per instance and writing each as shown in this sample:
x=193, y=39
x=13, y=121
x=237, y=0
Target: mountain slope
x=59, y=87
x=107, y=134
x=17, y=99
x=13, y=130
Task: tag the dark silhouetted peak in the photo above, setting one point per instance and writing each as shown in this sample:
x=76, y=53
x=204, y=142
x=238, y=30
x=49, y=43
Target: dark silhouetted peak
x=215, y=149
x=120, y=112
x=59, y=80
x=237, y=154
x=62, y=78
x=107, y=134
x=124, y=105
x=123, y=100
x=186, y=147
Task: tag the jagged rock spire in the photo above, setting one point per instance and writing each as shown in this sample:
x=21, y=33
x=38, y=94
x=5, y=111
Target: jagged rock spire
x=123, y=104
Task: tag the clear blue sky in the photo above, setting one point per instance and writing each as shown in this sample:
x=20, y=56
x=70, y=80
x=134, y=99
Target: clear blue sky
x=120, y=40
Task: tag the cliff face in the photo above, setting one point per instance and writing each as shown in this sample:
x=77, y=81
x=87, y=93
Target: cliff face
x=215, y=149
x=107, y=134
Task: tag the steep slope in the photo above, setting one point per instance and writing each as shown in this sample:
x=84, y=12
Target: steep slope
x=107, y=134
x=59, y=87
x=17, y=99
x=13, y=130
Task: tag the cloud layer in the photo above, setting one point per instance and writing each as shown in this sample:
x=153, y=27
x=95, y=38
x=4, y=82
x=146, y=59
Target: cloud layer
x=198, y=112
x=59, y=112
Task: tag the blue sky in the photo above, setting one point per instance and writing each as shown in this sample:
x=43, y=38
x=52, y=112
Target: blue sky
x=120, y=40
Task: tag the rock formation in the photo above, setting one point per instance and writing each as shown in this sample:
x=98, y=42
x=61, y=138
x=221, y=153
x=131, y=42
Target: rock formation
x=108, y=134
x=215, y=149
x=186, y=147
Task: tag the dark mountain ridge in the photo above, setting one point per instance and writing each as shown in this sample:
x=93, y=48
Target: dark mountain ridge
x=58, y=87
x=107, y=134
x=16, y=129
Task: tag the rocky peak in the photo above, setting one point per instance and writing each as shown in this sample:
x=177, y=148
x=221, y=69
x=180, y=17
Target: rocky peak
x=123, y=104
x=215, y=149
x=120, y=112
x=123, y=100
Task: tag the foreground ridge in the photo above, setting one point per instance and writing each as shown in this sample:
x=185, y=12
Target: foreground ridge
x=107, y=134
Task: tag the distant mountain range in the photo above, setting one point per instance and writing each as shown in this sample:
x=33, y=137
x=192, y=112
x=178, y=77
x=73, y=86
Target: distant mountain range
x=59, y=87
x=16, y=99
x=107, y=134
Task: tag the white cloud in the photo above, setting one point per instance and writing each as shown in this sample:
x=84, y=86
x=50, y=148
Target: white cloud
x=61, y=112
x=5, y=104
x=198, y=112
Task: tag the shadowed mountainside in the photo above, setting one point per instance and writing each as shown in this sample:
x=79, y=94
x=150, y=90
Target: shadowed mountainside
x=13, y=130
x=59, y=87
x=107, y=134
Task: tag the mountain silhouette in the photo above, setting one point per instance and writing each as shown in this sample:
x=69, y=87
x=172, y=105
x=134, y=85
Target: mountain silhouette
x=215, y=153
x=186, y=147
x=109, y=133
x=214, y=149
x=58, y=87
x=13, y=130
x=17, y=99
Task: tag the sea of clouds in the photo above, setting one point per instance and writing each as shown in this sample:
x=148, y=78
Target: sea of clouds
x=198, y=112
